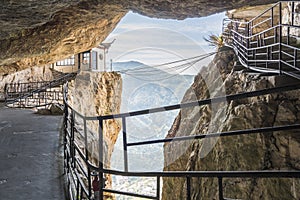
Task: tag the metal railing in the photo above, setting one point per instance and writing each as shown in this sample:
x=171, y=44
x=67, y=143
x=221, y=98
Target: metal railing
x=266, y=43
x=35, y=94
x=79, y=167
x=270, y=49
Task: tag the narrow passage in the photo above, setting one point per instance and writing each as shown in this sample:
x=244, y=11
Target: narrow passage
x=30, y=156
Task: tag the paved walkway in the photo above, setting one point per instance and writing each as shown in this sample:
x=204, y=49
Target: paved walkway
x=30, y=156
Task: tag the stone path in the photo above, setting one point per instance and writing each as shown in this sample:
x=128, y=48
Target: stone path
x=30, y=156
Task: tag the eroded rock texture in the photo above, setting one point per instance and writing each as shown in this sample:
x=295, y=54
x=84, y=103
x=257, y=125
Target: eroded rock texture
x=40, y=32
x=179, y=9
x=37, y=32
x=97, y=94
x=270, y=151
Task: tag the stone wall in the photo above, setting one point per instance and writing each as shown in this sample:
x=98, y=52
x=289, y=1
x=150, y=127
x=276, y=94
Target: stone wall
x=271, y=151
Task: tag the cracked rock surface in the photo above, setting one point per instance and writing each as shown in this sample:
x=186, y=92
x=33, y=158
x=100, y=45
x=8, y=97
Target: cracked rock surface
x=38, y=32
x=263, y=151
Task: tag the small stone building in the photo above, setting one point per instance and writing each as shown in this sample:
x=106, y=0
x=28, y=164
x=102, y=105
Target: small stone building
x=91, y=60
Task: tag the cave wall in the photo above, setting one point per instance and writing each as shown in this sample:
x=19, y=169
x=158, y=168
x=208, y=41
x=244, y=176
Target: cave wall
x=41, y=32
x=271, y=151
x=179, y=9
x=38, y=32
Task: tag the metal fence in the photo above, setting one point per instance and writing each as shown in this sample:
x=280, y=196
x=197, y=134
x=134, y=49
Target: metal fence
x=266, y=43
x=35, y=94
x=79, y=168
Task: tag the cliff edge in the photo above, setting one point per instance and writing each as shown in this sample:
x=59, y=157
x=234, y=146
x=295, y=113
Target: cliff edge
x=97, y=94
x=271, y=151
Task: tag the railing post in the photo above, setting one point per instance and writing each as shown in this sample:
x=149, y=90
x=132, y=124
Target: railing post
x=272, y=16
x=5, y=92
x=280, y=37
x=295, y=57
x=250, y=28
x=125, y=144
x=39, y=100
x=101, y=158
x=293, y=9
x=72, y=147
x=87, y=157
x=188, y=188
x=220, y=182
x=288, y=35
x=65, y=135
x=248, y=42
x=158, y=187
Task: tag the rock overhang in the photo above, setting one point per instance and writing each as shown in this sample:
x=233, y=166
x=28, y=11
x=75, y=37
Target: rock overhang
x=38, y=32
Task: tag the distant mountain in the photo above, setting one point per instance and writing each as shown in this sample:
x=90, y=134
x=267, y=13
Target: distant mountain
x=146, y=87
x=144, y=83
x=119, y=66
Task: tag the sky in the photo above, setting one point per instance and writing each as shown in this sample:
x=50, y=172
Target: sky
x=155, y=41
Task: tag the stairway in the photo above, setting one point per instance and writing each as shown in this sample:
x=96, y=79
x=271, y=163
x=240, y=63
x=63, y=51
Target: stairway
x=37, y=94
x=266, y=44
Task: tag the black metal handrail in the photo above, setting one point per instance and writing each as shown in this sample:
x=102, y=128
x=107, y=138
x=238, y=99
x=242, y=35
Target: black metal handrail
x=80, y=169
x=269, y=49
x=35, y=94
x=253, y=51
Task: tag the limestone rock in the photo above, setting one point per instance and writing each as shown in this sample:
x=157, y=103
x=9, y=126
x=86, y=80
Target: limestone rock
x=271, y=151
x=38, y=32
x=41, y=32
x=97, y=94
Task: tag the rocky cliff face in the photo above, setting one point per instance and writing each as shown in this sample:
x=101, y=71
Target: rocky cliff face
x=271, y=151
x=38, y=32
x=95, y=94
x=41, y=32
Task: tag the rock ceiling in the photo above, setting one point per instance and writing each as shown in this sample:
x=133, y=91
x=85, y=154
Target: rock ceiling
x=37, y=32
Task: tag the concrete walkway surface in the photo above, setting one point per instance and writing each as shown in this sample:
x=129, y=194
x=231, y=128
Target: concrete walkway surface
x=30, y=156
